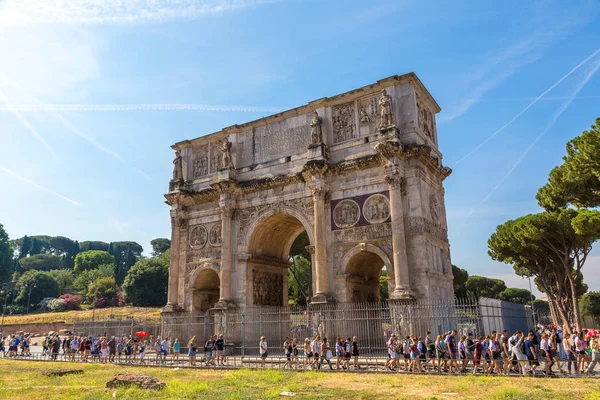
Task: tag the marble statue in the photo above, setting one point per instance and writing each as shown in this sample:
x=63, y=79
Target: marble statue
x=177, y=172
x=316, y=133
x=226, y=155
x=385, y=107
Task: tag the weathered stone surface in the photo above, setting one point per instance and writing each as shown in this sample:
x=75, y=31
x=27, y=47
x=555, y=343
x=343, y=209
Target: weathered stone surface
x=125, y=379
x=360, y=172
x=62, y=372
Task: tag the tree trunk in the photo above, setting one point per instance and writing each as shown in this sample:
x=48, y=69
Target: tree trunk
x=575, y=300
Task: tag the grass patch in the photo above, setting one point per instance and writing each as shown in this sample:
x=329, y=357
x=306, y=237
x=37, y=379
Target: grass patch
x=100, y=314
x=24, y=380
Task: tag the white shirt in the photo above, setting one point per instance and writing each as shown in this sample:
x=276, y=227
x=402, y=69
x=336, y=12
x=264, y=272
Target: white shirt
x=544, y=345
x=315, y=346
x=263, y=347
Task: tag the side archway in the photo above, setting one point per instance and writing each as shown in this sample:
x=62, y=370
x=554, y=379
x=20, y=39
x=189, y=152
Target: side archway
x=362, y=267
x=204, y=284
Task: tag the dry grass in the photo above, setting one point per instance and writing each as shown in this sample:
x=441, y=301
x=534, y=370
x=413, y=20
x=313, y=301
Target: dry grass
x=24, y=379
x=69, y=316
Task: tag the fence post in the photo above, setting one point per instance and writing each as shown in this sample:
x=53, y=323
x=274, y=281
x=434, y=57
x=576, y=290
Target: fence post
x=243, y=331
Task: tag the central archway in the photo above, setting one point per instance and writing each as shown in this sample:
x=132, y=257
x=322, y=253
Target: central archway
x=269, y=247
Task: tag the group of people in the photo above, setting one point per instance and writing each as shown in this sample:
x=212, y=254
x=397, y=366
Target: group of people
x=10, y=346
x=214, y=350
x=498, y=353
x=316, y=351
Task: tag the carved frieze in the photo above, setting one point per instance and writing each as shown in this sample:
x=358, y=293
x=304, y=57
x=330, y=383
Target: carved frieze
x=376, y=209
x=281, y=138
x=201, y=162
x=267, y=288
x=343, y=122
x=214, y=236
x=198, y=237
x=346, y=214
x=215, y=157
x=375, y=231
x=420, y=225
x=245, y=216
x=206, y=253
x=434, y=206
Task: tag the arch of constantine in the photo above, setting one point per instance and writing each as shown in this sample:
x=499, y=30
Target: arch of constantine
x=360, y=172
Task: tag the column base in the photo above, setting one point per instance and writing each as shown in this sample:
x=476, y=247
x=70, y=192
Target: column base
x=402, y=294
x=172, y=307
x=319, y=298
x=224, y=304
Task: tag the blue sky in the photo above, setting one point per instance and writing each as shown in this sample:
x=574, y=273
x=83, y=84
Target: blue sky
x=92, y=94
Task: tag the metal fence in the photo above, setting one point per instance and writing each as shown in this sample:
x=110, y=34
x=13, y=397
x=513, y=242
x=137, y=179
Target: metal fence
x=371, y=323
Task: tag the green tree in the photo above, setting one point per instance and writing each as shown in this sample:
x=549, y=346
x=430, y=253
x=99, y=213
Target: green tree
x=84, y=280
x=590, y=304
x=40, y=244
x=64, y=278
x=159, y=246
x=25, y=246
x=384, y=293
x=103, y=287
x=6, y=255
x=460, y=280
x=41, y=262
x=541, y=306
x=577, y=180
x=92, y=259
x=480, y=286
x=553, y=247
x=516, y=295
x=41, y=285
x=299, y=280
x=65, y=248
x=88, y=245
x=146, y=283
x=126, y=254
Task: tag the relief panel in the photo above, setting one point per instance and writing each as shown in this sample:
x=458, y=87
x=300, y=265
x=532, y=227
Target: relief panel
x=368, y=115
x=343, y=122
x=267, y=288
x=200, y=168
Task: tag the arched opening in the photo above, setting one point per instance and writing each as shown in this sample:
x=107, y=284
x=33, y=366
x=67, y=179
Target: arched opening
x=366, y=277
x=274, y=247
x=206, y=290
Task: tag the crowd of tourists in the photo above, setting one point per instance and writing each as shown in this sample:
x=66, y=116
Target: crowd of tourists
x=547, y=351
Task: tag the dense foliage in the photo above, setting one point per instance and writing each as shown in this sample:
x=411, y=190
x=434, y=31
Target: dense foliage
x=6, y=253
x=92, y=259
x=590, y=304
x=146, y=283
x=159, y=246
x=39, y=284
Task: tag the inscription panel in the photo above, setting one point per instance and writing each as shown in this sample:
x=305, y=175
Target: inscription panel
x=200, y=168
x=282, y=139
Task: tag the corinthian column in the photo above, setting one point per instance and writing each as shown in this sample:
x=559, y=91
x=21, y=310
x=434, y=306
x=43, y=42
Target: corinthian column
x=400, y=257
x=320, y=196
x=226, y=252
x=173, y=288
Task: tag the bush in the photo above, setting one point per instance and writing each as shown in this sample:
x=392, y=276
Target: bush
x=72, y=302
x=45, y=286
x=44, y=302
x=57, y=305
x=116, y=301
x=15, y=309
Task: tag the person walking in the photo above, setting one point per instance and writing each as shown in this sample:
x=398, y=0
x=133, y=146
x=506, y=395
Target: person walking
x=142, y=349
x=287, y=349
x=220, y=350
x=355, y=352
x=519, y=353
x=307, y=353
x=595, y=346
x=264, y=350
x=295, y=361
x=569, y=349
x=192, y=350
x=325, y=354
x=315, y=346
x=176, y=349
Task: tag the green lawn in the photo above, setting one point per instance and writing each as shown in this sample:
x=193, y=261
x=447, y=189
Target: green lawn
x=24, y=380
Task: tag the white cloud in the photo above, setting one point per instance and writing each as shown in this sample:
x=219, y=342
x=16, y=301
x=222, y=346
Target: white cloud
x=28, y=12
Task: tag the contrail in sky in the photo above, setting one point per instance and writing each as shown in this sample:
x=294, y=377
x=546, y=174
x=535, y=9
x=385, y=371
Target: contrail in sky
x=29, y=127
x=549, y=126
x=141, y=107
x=72, y=128
x=493, y=135
x=38, y=186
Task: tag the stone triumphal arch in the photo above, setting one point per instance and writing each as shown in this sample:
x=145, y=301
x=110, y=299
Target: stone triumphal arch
x=360, y=172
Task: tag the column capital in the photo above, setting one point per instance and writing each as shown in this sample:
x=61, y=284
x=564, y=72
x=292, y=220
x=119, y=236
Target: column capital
x=319, y=192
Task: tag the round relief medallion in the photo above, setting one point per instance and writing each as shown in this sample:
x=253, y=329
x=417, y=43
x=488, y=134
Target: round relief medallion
x=198, y=237
x=214, y=237
x=346, y=214
x=376, y=209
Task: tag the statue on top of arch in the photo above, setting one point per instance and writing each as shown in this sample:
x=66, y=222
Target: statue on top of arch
x=226, y=162
x=385, y=110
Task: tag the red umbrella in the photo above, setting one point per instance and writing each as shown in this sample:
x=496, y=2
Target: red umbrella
x=141, y=333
